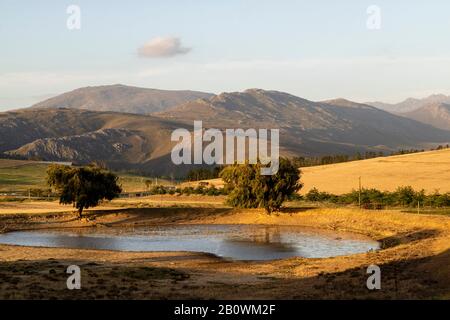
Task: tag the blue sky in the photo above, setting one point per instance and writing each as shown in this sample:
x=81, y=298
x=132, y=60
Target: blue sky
x=313, y=49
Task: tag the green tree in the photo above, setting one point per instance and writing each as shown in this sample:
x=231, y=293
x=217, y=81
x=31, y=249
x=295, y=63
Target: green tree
x=405, y=195
x=85, y=187
x=314, y=195
x=249, y=189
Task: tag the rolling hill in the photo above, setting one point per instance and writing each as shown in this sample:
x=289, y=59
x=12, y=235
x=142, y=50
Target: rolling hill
x=21, y=175
x=425, y=170
x=123, y=140
x=121, y=98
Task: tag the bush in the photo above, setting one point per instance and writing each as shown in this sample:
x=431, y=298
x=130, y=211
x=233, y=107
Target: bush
x=315, y=195
x=213, y=191
x=373, y=198
x=158, y=190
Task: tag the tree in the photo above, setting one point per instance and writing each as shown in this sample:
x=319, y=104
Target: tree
x=405, y=195
x=249, y=189
x=85, y=187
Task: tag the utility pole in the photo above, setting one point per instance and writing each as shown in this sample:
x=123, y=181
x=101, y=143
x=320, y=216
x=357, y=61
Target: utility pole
x=359, y=196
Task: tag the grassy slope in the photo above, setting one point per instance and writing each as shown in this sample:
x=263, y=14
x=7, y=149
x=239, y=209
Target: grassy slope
x=427, y=170
x=16, y=175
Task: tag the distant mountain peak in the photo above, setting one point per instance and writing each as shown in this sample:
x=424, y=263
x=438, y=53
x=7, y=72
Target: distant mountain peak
x=410, y=104
x=341, y=102
x=121, y=98
x=438, y=96
x=436, y=114
x=255, y=90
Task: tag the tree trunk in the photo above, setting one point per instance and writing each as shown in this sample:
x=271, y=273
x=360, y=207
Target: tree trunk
x=80, y=211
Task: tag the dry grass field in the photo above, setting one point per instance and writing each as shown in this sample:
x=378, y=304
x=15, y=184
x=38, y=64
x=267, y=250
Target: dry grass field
x=7, y=163
x=426, y=170
x=34, y=207
x=414, y=259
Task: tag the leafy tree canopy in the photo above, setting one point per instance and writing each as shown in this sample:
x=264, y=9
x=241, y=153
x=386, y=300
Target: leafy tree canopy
x=249, y=189
x=85, y=187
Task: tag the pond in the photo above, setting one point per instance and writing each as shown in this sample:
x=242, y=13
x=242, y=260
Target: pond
x=238, y=242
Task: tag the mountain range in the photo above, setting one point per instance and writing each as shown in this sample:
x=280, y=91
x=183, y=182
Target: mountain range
x=410, y=104
x=435, y=114
x=431, y=110
x=335, y=126
x=84, y=125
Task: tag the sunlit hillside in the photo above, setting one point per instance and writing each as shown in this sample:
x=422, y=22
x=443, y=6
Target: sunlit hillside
x=426, y=170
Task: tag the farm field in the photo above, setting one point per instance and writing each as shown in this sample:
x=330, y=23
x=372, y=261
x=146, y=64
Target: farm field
x=49, y=207
x=426, y=170
x=21, y=175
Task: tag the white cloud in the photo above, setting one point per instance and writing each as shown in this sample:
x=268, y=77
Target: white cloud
x=162, y=47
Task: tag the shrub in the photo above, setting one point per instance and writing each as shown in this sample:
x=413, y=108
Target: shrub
x=158, y=190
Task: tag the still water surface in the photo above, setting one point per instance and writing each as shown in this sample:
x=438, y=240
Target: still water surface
x=239, y=242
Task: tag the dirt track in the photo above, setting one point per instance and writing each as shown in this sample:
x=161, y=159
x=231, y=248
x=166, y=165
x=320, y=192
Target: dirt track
x=414, y=262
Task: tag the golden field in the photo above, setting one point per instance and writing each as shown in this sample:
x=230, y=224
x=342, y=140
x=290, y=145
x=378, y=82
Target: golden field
x=32, y=207
x=426, y=170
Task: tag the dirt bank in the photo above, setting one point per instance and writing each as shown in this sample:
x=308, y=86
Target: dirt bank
x=414, y=260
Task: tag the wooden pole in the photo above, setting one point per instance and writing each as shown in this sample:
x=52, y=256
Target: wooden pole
x=359, y=197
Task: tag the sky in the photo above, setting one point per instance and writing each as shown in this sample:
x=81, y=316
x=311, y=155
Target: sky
x=355, y=49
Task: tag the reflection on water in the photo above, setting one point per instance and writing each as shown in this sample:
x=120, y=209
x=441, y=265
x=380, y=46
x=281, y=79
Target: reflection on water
x=240, y=242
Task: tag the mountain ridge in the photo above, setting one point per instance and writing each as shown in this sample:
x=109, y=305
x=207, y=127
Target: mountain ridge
x=435, y=114
x=142, y=142
x=121, y=98
x=321, y=121
x=410, y=104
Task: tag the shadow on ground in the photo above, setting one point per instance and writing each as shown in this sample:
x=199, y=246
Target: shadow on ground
x=422, y=278
x=407, y=237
